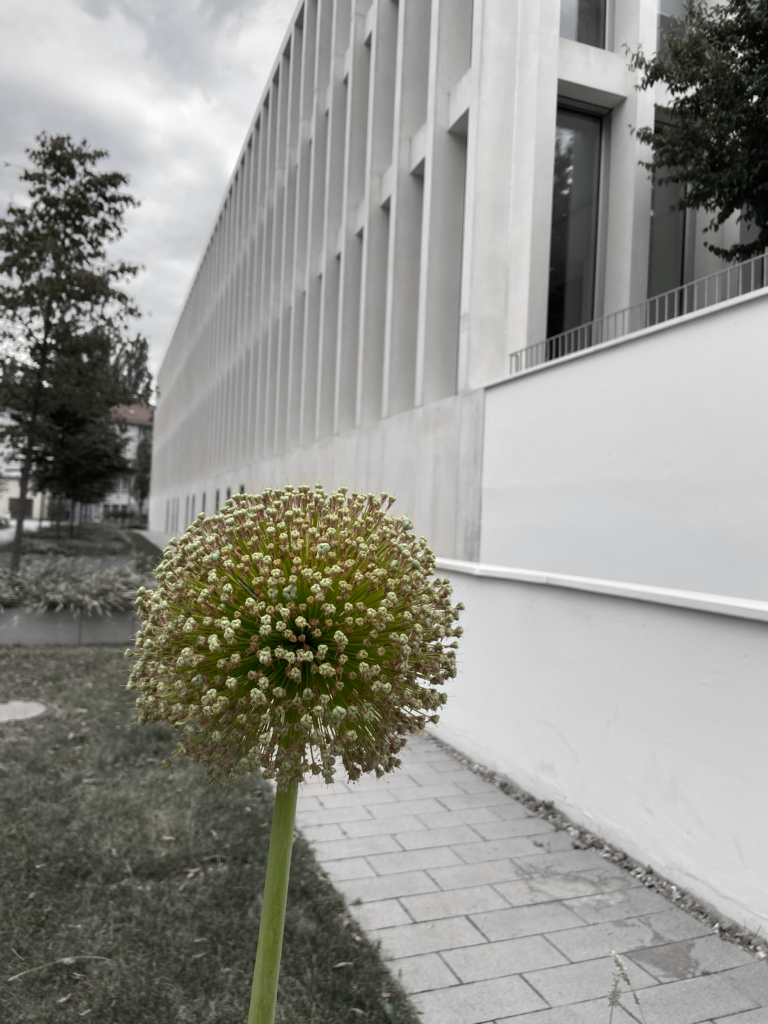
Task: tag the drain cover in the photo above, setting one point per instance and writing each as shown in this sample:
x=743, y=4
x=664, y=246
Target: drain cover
x=21, y=710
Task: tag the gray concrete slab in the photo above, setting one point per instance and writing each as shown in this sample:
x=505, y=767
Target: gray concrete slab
x=488, y=915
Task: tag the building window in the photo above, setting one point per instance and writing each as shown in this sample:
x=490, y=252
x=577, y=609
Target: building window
x=670, y=20
x=584, y=21
x=666, y=258
x=573, y=246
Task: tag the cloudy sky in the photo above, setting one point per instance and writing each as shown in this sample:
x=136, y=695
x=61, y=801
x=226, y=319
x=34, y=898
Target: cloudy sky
x=169, y=87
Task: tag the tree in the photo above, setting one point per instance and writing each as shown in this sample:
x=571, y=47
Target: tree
x=142, y=470
x=84, y=461
x=715, y=67
x=62, y=301
x=81, y=449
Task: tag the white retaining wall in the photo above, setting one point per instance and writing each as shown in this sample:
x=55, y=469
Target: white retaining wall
x=645, y=460
x=643, y=721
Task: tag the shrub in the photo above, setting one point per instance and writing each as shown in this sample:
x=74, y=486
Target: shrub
x=56, y=585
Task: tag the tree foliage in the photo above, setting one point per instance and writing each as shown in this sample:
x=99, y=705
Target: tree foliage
x=715, y=68
x=142, y=469
x=66, y=356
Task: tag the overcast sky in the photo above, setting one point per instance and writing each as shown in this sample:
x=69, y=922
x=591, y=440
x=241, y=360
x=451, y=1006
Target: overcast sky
x=169, y=87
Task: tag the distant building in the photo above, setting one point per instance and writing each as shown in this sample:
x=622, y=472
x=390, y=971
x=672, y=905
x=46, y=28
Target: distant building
x=121, y=501
x=10, y=475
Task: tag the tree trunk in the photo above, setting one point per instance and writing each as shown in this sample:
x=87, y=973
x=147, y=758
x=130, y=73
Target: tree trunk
x=72, y=517
x=26, y=470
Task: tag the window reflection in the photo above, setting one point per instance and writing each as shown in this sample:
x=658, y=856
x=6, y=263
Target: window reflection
x=573, y=246
x=670, y=23
x=584, y=21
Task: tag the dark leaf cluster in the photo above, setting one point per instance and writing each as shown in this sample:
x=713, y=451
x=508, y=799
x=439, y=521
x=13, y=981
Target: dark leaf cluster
x=715, y=69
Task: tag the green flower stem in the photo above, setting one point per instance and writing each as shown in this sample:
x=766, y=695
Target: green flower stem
x=267, y=970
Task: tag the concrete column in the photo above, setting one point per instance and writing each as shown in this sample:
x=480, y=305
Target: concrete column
x=444, y=173
x=629, y=191
x=357, y=69
x=316, y=216
x=406, y=211
x=331, y=256
x=381, y=33
x=301, y=242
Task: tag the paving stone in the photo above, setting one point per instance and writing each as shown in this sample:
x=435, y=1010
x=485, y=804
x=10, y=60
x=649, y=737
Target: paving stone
x=748, y=1017
x=379, y=914
x=307, y=802
x=690, y=958
x=472, y=783
x=753, y=979
x=383, y=826
x=392, y=780
x=518, y=921
x=511, y=808
x=434, y=791
x=481, y=1001
x=419, y=770
x=491, y=799
x=450, y=836
x=675, y=925
x=321, y=833
x=342, y=870
x=405, y=883
x=410, y=939
x=448, y=764
x=557, y=887
x=328, y=817
x=497, y=959
x=422, y=973
x=486, y=873
x=553, y=842
x=513, y=827
x=414, y=860
x=694, y=1001
x=394, y=808
x=360, y=799
x=496, y=849
x=611, y=906
x=595, y=940
x=475, y=900
x=362, y=846
x=591, y=979
x=560, y=863
x=595, y=1011
x=458, y=776
x=468, y=816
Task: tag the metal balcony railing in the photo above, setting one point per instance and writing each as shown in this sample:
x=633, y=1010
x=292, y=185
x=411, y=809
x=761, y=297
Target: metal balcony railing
x=739, y=279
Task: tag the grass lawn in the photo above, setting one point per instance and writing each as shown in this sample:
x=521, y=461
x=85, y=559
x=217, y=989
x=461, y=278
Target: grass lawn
x=149, y=884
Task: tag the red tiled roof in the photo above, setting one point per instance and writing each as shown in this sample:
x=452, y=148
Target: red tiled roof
x=139, y=414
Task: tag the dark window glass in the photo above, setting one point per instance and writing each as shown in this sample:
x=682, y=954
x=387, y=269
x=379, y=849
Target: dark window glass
x=574, y=221
x=667, y=249
x=671, y=20
x=584, y=21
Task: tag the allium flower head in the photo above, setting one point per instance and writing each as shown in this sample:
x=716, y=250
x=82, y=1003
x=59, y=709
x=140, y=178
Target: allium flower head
x=294, y=628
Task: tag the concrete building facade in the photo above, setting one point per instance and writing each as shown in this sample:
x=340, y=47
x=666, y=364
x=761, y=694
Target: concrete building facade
x=440, y=270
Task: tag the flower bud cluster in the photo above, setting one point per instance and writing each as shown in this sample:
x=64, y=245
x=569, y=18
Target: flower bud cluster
x=294, y=628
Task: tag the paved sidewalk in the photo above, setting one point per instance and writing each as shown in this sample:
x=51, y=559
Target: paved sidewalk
x=488, y=914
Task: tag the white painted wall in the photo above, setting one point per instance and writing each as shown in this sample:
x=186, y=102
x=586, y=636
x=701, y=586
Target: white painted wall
x=642, y=722
x=645, y=462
